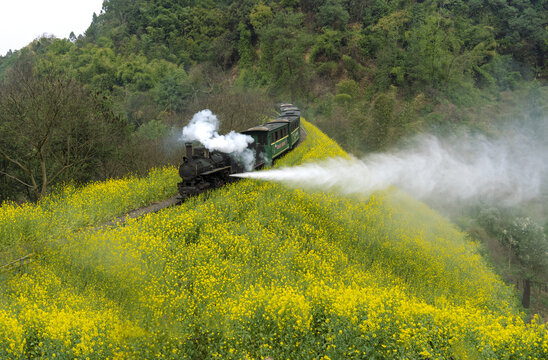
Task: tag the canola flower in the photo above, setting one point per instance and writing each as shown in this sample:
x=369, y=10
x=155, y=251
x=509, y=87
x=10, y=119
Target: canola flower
x=24, y=227
x=259, y=271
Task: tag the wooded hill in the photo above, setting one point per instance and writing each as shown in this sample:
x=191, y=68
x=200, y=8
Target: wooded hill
x=368, y=72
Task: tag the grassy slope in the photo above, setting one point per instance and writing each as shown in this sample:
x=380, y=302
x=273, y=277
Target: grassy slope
x=257, y=270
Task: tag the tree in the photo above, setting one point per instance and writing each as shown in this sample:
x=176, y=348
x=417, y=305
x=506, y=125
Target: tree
x=173, y=90
x=51, y=127
x=283, y=45
x=333, y=14
x=383, y=116
x=530, y=247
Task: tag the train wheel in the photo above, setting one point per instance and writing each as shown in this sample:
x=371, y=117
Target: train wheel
x=217, y=182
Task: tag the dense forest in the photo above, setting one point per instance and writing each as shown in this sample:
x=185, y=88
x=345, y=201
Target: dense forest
x=110, y=102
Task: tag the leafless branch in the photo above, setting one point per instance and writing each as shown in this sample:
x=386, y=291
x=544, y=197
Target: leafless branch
x=21, y=166
x=15, y=178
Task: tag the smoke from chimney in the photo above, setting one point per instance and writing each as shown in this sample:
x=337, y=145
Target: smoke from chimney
x=204, y=128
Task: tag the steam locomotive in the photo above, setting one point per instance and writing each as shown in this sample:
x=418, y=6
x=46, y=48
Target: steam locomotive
x=202, y=170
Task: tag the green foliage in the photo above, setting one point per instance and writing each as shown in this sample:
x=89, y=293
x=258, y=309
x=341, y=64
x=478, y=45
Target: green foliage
x=343, y=99
x=171, y=92
x=246, y=51
x=530, y=245
x=383, y=116
x=328, y=69
x=333, y=14
x=502, y=71
x=525, y=245
x=260, y=15
x=353, y=68
x=282, y=47
x=6, y=62
x=348, y=87
x=432, y=47
x=152, y=130
x=327, y=47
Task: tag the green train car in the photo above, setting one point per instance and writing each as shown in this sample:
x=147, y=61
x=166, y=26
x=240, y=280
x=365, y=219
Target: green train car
x=275, y=137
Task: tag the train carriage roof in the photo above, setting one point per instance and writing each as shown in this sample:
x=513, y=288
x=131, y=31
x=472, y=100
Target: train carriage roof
x=285, y=106
x=290, y=108
x=285, y=119
x=295, y=113
x=271, y=126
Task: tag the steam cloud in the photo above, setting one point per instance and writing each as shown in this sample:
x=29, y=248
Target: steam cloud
x=204, y=128
x=506, y=171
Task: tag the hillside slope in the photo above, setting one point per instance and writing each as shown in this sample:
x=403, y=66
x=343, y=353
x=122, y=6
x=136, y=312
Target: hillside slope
x=256, y=270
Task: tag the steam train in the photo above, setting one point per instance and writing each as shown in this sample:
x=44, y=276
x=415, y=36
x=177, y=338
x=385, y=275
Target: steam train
x=203, y=170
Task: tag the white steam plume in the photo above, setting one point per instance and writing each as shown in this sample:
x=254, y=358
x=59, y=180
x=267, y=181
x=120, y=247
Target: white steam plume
x=204, y=128
x=506, y=171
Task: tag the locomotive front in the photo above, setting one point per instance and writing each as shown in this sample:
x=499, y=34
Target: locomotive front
x=202, y=170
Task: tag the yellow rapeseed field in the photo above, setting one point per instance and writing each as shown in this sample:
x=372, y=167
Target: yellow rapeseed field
x=252, y=271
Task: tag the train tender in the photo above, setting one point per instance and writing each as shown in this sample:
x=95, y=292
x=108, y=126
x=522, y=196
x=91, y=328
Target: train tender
x=202, y=170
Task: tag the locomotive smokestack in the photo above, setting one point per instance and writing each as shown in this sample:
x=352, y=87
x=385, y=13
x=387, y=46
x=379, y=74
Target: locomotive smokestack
x=188, y=151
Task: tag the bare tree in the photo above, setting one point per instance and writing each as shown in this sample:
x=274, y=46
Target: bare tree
x=51, y=127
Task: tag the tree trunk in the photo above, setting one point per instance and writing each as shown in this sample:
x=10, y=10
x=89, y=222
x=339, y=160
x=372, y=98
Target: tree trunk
x=44, y=177
x=526, y=300
x=292, y=81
